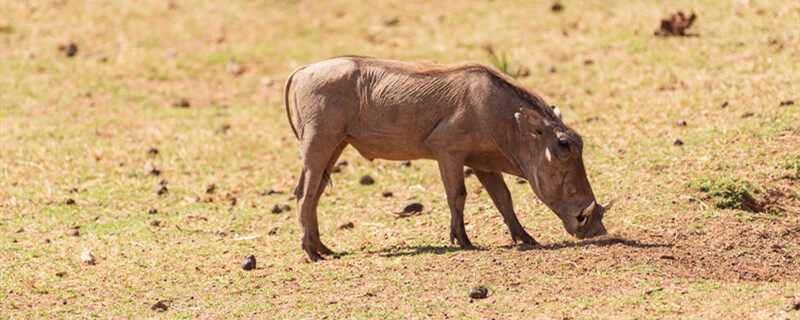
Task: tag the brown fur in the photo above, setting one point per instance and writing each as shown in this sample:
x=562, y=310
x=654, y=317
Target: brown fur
x=465, y=114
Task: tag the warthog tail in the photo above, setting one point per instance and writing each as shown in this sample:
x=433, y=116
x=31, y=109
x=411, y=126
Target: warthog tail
x=286, y=100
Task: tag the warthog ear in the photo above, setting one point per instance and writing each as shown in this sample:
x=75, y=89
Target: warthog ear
x=529, y=122
x=557, y=111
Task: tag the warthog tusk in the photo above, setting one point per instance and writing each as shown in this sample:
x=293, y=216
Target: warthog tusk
x=586, y=212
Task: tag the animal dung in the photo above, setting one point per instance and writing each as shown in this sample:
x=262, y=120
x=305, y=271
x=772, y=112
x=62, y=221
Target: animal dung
x=152, y=151
x=73, y=232
x=276, y=209
x=152, y=211
x=181, y=103
x=387, y=194
x=211, y=188
x=478, y=292
x=159, y=306
x=681, y=122
x=415, y=207
x=68, y=50
x=346, y=225
x=787, y=103
x=366, y=180
x=155, y=223
x=162, y=190
x=675, y=25
x=249, y=263
x=678, y=142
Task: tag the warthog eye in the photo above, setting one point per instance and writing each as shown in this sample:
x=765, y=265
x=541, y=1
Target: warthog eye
x=581, y=218
x=563, y=144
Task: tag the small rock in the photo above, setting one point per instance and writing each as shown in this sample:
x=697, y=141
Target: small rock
x=556, y=7
x=249, y=263
x=390, y=21
x=70, y=201
x=61, y=274
x=273, y=231
x=162, y=182
x=152, y=211
x=787, y=102
x=223, y=129
x=154, y=172
x=794, y=306
x=678, y=142
x=159, y=306
x=46, y=240
x=276, y=209
x=162, y=190
x=270, y=192
x=346, y=225
x=521, y=181
x=234, y=68
x=724, y=105
x=87, y=257
x=667, y=257
x=588, y=62
x=468, y=172
x=551, y=69
x=675, y=25
x=152, y=151
x=681, y=122
x=73, y=232
x=68, y=50
x=405, y=163
x=155, y=223
x=478, y=292
x=211, y=188
x=387, y=194
x=415, y=207
x=182, y=103
x=286, y=207
x=748, y=114
x=366, y=180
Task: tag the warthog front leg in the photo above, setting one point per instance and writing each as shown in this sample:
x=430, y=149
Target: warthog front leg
x=498, y=191
x=452, y=171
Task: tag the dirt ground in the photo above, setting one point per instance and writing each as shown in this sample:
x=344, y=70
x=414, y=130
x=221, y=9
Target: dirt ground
x=145, y=153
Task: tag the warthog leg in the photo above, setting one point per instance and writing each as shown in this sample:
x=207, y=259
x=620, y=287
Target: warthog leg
x=318, y=152
x=452, y=171
x=498, y=191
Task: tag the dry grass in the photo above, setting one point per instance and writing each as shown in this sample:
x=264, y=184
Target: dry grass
x=78, y=128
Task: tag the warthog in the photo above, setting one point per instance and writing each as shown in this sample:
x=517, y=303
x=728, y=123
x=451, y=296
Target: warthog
x=458, y=115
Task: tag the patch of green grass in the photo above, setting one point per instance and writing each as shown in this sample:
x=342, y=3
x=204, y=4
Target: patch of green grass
x=502, y=64
x=728, y=193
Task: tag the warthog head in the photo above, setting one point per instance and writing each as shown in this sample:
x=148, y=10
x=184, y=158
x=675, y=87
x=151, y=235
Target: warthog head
x=551, y=156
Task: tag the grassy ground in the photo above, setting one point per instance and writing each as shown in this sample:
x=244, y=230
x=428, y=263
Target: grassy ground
x=708, y=229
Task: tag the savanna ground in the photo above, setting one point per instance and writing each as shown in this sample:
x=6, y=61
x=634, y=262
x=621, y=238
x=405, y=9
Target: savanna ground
x=707, y=229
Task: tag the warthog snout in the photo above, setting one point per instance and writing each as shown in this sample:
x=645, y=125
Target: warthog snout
x=590, y=221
